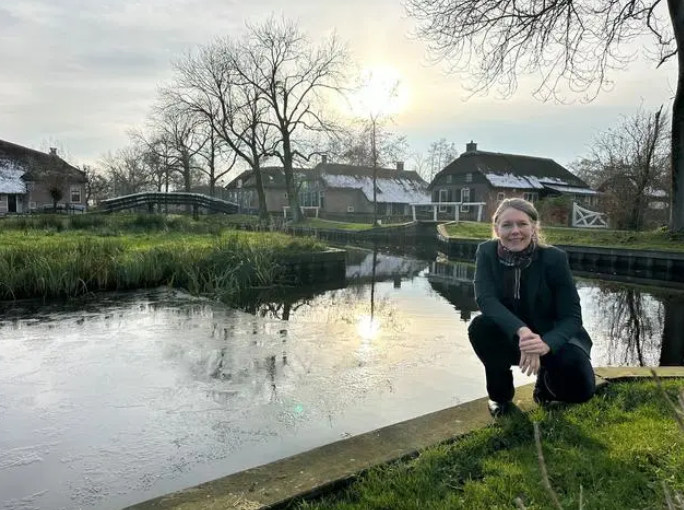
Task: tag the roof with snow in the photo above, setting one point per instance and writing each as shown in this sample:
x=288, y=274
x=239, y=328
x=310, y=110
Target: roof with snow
x=19, y=163
x=515, y=171
x=394, y=186
x=11, y=182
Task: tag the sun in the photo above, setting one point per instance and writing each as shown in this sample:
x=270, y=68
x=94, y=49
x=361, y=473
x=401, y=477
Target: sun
x=381, y=91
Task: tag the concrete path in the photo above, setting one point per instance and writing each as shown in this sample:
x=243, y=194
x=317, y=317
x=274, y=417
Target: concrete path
x=328, y=467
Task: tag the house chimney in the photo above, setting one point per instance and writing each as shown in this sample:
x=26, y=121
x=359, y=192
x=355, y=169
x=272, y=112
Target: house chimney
x=324, y=158
x=53, y=151
x=471, y=147
x=400, y=166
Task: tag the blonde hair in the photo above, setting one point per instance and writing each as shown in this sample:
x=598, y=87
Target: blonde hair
x=523, y=206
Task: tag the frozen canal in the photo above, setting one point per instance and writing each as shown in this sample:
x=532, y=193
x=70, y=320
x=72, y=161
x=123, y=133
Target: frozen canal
x=127, y=397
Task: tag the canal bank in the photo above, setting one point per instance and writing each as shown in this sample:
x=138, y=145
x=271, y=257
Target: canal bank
x=330, y=468
x=430, y=239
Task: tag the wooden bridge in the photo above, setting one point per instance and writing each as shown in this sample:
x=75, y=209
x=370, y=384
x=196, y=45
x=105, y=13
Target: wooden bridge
x=196, y=201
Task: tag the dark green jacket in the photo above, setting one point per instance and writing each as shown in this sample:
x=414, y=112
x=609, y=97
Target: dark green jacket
x=551, y=298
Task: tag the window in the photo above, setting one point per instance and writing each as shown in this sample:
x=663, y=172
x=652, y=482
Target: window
x=500, y=196
x=75, y=194
x=32, y=206
x=531, y=196
x=469, y=177
x=465, y=198
x=443, y=197
x=350, y=208
x=450, y=179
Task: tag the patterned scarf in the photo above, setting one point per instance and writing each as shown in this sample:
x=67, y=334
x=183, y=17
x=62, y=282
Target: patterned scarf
x=518, y=261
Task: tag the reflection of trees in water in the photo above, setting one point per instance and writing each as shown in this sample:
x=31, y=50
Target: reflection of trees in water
x=672, y=350
x=643, y=329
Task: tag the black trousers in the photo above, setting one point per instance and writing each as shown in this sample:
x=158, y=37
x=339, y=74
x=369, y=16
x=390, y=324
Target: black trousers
x=567, y=374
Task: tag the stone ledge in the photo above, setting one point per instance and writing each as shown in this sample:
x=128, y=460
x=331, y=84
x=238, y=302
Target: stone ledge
x=329, y=467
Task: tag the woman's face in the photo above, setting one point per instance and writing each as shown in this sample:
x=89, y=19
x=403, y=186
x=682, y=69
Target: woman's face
x=515, y=229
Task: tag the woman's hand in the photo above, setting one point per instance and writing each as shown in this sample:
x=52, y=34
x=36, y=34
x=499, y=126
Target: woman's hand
x=529, y=363
x=532, y=343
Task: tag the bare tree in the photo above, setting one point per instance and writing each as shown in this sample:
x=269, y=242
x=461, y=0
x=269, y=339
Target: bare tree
x=292, y=76
x=97, y=186
x=440, y=154
x=571, y=42
x=219, y=162
x=629, y=163
x=127, y=171
x=354, y=147
x=183, y=133
x=212, y=83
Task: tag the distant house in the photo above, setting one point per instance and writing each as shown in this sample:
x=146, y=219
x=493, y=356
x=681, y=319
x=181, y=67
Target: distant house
x=30, y=181
x=490, y=177
x=338, y=190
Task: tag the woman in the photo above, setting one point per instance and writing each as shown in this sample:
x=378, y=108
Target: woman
x=531, y=314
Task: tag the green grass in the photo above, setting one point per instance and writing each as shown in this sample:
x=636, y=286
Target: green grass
x=124, y=223
x=224, y=264
x=619, y=448
x=647, y=240
x=321, y=223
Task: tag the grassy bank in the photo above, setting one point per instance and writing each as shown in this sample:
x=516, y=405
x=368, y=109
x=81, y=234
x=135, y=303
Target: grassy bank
x=35, y=263
x=648, y=240
x=123, y=223
x=616, y=450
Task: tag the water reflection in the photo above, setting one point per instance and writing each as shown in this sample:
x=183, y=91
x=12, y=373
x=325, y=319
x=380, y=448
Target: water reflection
x=454, y=282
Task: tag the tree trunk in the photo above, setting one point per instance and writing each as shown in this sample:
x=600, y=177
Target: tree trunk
x=676, y=9
x=263, y=209
x=672, y=347
x=289, y=181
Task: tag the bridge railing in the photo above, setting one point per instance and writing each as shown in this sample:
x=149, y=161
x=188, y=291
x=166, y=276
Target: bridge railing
x=150, y=198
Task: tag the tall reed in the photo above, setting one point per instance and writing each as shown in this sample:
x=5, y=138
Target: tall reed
x=72, y=264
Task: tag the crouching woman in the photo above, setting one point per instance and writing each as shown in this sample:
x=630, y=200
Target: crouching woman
x=531, y=314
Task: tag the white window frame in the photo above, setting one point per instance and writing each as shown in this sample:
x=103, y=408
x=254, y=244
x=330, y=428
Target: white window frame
x=531, y=196
x=32, y=206
x=71, y=194
x=500, y=197
x=350, y=208
x=465, y=197
x=450, y=179
x=443, y=208
x=469, y=177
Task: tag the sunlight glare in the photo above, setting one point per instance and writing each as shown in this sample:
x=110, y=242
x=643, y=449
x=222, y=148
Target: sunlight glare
x=368, y=327
x=382, y=92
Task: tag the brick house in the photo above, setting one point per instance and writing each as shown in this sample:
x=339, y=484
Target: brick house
x=339, y=191
x=30, y=181
x=490, y=177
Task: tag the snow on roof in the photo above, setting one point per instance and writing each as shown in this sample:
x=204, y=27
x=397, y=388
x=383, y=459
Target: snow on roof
x=10, y=178
x=570, y=189
x=509, y=180
x=397, y=190
x=655, y=193
x=385, y=266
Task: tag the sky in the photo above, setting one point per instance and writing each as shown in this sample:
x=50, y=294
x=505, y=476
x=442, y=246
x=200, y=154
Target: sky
x=79, y=74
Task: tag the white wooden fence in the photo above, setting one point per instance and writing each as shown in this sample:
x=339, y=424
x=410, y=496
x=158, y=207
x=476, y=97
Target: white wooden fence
x=585, y=218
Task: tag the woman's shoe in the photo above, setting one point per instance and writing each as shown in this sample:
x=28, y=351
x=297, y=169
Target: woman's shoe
x=497, y=409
